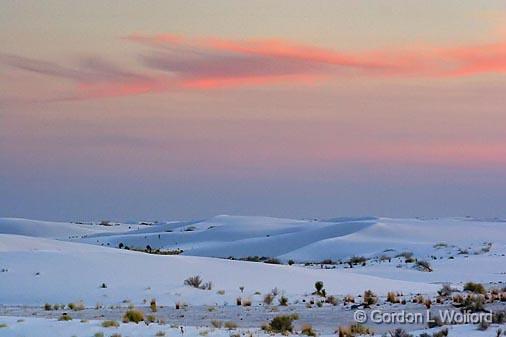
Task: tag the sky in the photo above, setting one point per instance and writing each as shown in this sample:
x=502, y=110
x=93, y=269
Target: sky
x=160, y=110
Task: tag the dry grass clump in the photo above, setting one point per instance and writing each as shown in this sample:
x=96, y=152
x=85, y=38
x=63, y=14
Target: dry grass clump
x=353, y=330
x=65, y=317
x=152, y=305
x=281, y=324
x=283, y=301
x=230, y=325
x=348, y=299
x=268, y=298
x=307, y=329
x=476, y=288
x=370, y=298
x=76, y=306
x=110, y=324
x=197, y=282
x=392, y=297
x=246, y=302
x=331, y=299
x=160, y=333
x=133, y=315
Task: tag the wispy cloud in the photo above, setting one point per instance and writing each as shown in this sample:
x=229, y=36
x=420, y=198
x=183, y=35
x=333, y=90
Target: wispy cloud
x=182, y=63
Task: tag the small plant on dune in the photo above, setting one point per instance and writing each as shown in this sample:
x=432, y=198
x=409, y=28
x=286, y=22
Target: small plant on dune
x=474, y=303
x=103, y=286
x=348, y=299
x=116, y=335
x=268, y=298
x=246, y=302
x=283, y=301
x=65, y=317
x=331, y=300
x=476, y=288
x=230, y=325
x=307, y=329
x=445, y=291
x=110, y=324
x=133, y=315
x=48, y=307
x=353, y=330
x=197, y=282
x=160, y=334
x=370, y=298
x=150, y=319
x=221, y=292
x=355, y=260
x=152, y=305
x=392, y=297
x=3, y=325
x=320, y=291
x=238, y=301
x=98, y=334
x=217, y=323
x=281, y=324
x=423, y=265
x=76, y=306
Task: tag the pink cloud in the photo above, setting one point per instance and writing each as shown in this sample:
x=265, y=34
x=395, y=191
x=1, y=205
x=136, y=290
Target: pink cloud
x=174, y=62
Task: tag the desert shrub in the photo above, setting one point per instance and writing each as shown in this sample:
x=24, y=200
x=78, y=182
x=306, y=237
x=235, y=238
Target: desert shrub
x=307, y=330
x=48, y=307
x=65, y=317
x=357, y=260
x=238, y=301
x=76, y=306
x=440, y=245
x=445, y=291
x=353, y=330
x=217, y=323
x=275, y=291
x=476, y=288
x=133, y=315
x=370, y=298
x=283, y=301
x=349, y=299
x=331, y=300
x=281, y=324
x=246, y=302
x=3, y=325
x=98, y=334
x=319, y=289
x=474, y=303
x=230, y=325
x=116, y=335
x=110, y=324
x=152, y=305
x=290, y=262
x=221, y=292
x=423, y=265
x=103, y=286
x=392, y=297
x=160, y=334
x=268, y=298
x=197, y=282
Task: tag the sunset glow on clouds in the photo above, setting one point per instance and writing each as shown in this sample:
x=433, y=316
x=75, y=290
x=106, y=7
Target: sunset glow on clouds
x=174, y=62
x=252, y=108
